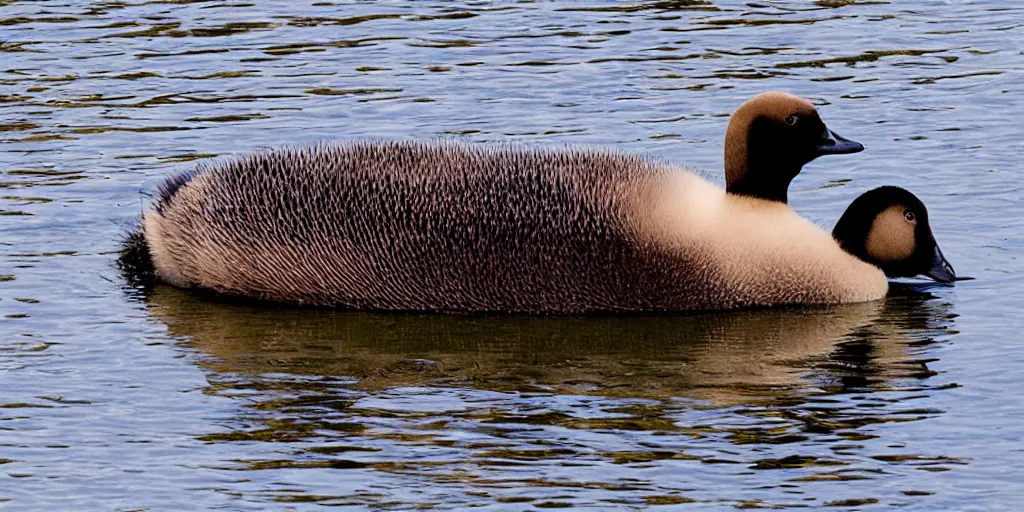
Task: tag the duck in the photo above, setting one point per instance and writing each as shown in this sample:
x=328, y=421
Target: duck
x=452, y=227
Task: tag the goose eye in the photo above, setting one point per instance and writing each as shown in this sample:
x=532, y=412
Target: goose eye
x=792, y=120
x=909, y=215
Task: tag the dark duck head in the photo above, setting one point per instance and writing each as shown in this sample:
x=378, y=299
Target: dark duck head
x=769, y=140
x=888, y=227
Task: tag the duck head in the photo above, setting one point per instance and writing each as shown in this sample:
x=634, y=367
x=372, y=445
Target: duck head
x=888, y=227
x=769, y=140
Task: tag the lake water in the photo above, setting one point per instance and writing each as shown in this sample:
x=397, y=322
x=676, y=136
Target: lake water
x=111, y=400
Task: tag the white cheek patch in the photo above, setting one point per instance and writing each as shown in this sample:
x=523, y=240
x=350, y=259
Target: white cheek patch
x=891, y=237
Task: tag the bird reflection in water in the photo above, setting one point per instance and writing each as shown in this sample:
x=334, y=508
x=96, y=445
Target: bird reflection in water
x=455, y=398
x=725, y=357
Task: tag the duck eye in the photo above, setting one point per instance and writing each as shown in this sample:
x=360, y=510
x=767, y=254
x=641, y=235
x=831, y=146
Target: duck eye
x=792, y=120
x=909, y=215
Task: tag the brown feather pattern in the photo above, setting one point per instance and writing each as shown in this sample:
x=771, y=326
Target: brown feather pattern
x=438, y=226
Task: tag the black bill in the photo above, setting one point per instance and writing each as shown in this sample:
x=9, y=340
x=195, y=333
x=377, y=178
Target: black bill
x=941, y=270
x=834, y=144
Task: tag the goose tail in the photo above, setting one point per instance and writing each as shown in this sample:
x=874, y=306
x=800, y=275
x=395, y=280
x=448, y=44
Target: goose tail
x=135, y=261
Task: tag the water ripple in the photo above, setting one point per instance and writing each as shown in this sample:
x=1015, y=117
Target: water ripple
x=192, y=403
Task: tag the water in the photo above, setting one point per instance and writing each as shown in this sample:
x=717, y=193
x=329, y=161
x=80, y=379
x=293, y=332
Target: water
x=114, y=401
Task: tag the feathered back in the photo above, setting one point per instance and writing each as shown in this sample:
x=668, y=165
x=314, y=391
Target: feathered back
x=441, y=226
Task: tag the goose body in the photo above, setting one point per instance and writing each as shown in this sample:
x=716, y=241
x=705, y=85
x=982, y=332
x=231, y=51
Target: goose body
x=446, y=226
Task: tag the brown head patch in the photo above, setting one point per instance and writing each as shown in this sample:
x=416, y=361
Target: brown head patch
x=892, y=236
x=773, y=105
x=769, y=140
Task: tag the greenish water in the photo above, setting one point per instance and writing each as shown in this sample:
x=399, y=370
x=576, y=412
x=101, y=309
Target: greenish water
x=112, y=400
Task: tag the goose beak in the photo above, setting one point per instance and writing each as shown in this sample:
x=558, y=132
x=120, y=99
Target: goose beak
x=941, y=270
x=834, y=144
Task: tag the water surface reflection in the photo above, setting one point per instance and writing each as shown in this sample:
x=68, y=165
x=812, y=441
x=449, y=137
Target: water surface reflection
x=499, y=407
x=655, y=356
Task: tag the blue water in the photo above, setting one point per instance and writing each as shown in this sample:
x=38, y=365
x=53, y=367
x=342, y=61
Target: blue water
x=113, y=400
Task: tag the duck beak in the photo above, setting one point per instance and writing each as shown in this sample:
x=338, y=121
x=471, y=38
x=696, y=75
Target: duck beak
x=941, y=270
x=834, y=144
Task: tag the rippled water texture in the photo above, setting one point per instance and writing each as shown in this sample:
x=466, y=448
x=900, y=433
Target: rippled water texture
x=111, y=400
